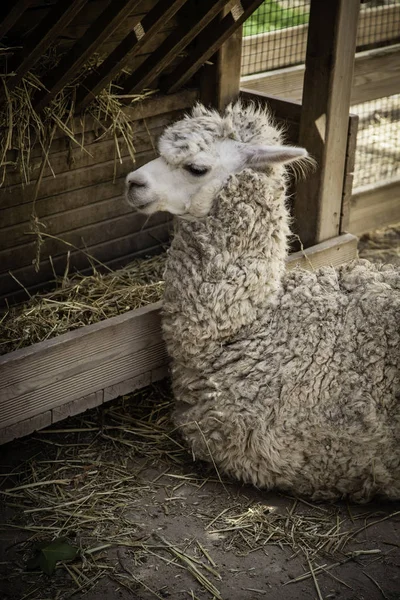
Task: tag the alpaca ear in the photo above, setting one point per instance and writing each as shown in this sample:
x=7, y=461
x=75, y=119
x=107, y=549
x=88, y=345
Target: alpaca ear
x=260, y=157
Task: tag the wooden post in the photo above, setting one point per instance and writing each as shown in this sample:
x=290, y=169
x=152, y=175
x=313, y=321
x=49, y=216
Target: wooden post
x=324, y=121
x=220, y=79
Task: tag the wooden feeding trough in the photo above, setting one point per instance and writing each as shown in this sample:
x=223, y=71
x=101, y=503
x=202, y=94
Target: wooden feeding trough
x=184, y=51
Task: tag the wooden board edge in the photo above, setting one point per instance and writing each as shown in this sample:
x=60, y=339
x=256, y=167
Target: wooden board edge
x=374, y=206
x=333, y=252
x=80, y=405
x=77, y=334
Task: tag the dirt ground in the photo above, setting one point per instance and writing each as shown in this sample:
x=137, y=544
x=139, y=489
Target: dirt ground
x=117, y=484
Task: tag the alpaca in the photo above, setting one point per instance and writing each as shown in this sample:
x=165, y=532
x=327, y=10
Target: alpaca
x=282, y=380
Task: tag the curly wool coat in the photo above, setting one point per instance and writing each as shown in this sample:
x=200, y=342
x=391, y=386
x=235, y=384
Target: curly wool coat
x=286, y=380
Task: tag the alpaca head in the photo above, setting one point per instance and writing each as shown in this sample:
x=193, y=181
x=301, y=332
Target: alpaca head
x=200, y=152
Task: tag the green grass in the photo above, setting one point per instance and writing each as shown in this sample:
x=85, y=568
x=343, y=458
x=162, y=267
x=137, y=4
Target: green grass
x=271, y=16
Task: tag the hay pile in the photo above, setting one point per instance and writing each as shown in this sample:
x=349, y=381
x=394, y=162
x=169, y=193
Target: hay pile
x=98, y=480
x=81, y=300
x=26, y=129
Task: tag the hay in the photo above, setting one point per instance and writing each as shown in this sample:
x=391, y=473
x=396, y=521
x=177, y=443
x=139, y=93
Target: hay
x=86, y=480
x=79, y=300
x=25, y=129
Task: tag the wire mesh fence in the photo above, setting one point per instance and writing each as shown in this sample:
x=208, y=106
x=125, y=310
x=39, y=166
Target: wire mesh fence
x=275, y=37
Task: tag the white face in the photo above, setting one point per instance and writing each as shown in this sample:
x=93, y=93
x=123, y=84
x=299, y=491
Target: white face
x=189, y=188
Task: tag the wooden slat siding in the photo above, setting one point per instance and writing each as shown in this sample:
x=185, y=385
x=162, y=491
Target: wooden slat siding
x=220, y=81
x=89, y=226
x=79, y=363
x=172, y=46
x=10, y=12
x=16, y=296
x=100, y=151
x=376, y=75
x=42, y=37
x=130, y=46
x=27, y=426
x=325, y=115
x=70, y=64
x=374, y=206
x=285, y=111
x=349, y=173
x=141, y=109
x=110, y=253
x=157, y=106
x=209, y=42
x=376, y=25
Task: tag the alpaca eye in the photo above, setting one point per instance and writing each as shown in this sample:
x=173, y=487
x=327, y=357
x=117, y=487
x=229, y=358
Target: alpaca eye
x=196, y=171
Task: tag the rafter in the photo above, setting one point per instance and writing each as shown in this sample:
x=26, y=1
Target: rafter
x=10, y=15
x=112, y=16
x=172, y=46
x=42, y=37
x=211, y=39
x=130, y=46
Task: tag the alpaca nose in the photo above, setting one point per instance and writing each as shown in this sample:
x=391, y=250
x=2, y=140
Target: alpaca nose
x=136, y=180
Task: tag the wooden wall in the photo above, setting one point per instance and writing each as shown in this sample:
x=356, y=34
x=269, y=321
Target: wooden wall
x=83, y=204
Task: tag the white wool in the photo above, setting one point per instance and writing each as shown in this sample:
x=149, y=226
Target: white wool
x=284, y=380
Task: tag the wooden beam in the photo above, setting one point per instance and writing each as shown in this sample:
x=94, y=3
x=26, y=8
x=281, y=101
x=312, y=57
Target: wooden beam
x=130, y=46
x=10, y=13
x=334, y=252
x=42, y=37
x=283, y=110
x=70, y=64
x=211, y=39
x=374, y=206
x=74, y=365
x=220, y=81
x=349, y=173
x=172, y=46
x=325, y=117
x=376, y=75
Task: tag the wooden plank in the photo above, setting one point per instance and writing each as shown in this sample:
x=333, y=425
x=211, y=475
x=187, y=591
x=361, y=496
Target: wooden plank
x=220, y=81
x=172, y=46
x=130, y=46
x=10, y=13
x=75, y=407
x=376, y=75
x=349, y=172
x=91, y=227
x=111, y=252
x=325, y=115
x=376, y=25
x=83, y=135
x=70, y=180
x=333, y=252
x=211, y=39
x=97, y=152
x=374, y=206
x=76, y=364
x=25, y=427
x=69, y=65
x=286, y=111
x=42, y=37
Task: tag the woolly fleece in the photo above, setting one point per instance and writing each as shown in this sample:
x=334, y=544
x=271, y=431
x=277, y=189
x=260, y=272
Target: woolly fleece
x=283, y=380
